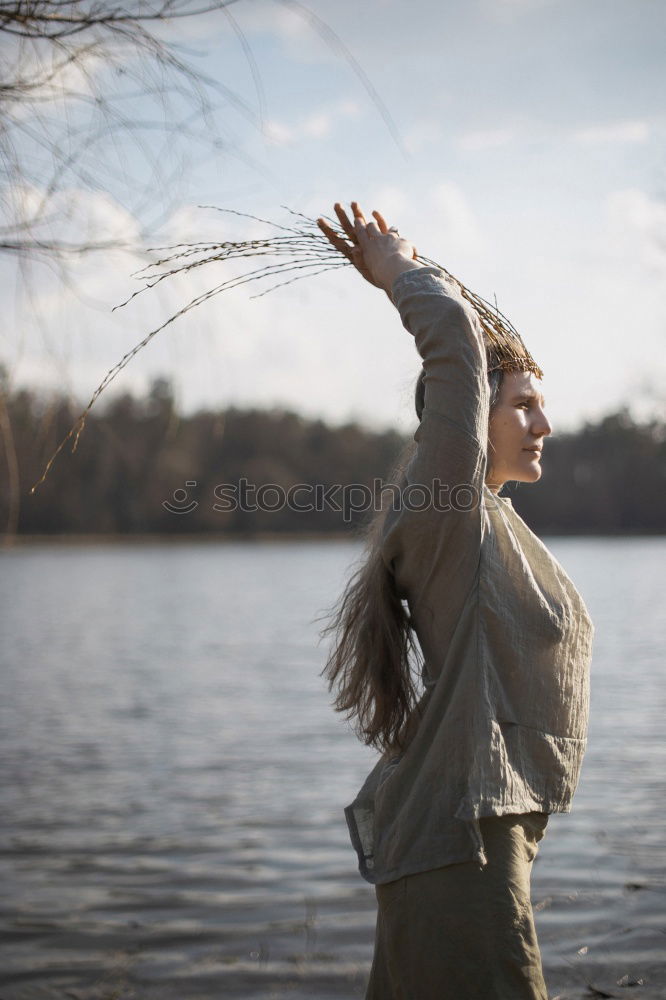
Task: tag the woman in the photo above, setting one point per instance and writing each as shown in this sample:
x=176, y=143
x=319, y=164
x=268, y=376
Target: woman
x=447, y=824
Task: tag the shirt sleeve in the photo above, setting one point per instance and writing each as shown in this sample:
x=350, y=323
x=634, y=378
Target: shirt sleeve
x=433, y=549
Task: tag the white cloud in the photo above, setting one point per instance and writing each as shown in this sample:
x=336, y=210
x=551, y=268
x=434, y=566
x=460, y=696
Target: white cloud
x=274, y=19
x=20, y=202
x=70, y=216
x=637, y=222
x=635, y=209
x=192, y=223
x=509, y=9
x=313, y=126
x=613, y=132
x=456, y=219
x=278, y=134
x=297, y=31
x=317, y=125
x=392, y=202
x=482, y=139
x=45, y=75
x=74, y=293
x=82, y=216
x=422, y=134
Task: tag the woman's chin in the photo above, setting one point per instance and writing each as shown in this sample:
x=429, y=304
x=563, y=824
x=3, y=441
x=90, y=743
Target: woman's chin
x=530, y=471
x=533, y=471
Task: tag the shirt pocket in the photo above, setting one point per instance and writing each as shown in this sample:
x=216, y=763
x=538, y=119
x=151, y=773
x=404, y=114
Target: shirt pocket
x=544, y=767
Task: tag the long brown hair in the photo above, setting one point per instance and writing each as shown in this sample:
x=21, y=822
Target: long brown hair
x=375, y=661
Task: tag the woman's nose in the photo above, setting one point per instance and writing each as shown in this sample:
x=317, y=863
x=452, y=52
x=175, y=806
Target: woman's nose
x=542, y=425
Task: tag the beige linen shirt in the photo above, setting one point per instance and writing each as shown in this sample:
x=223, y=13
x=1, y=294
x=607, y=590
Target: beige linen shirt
x=505, y=635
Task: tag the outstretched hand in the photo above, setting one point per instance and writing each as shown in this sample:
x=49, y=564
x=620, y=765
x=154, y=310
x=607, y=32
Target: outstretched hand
x=377, y=252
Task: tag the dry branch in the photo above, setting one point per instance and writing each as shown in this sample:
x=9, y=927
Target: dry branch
x=294, y=252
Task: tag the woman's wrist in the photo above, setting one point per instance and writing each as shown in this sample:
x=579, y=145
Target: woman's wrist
x=392, y=267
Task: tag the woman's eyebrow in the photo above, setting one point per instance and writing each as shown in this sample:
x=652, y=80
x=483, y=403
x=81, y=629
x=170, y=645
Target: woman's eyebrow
x=529, y=395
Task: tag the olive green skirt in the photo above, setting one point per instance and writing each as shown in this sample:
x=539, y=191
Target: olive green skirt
x=464, y=932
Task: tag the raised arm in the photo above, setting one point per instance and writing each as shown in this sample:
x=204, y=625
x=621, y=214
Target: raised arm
x=446, y=332
x=433, y=551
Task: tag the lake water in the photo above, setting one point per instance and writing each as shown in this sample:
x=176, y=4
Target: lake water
x=174, y=778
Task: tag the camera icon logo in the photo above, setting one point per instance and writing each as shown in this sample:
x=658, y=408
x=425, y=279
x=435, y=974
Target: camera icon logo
x=178, y=503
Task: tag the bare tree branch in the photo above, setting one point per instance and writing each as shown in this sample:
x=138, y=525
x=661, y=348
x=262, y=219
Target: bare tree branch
x=70, y=69
x=85, y=86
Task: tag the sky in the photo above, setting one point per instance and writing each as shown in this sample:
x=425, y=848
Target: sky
x=521, y=143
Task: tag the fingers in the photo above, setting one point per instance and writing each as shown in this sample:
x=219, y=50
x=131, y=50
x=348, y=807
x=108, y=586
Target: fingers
x=335, y=239
x=364, y=230
x=343, y=219
x=381, y=222
x=358, y=214
x=347, y=226
x=358, y=232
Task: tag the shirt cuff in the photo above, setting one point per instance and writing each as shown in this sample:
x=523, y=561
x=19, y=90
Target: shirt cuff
x=408, y=277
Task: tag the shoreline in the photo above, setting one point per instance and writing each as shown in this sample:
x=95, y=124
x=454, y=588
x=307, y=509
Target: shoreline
x=8, y=542
x=147, y=538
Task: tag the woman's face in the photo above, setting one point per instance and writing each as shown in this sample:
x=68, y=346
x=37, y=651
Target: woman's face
x=516, y=431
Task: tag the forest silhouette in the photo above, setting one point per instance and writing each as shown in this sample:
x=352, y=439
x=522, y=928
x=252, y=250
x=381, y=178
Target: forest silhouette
x=136, y=456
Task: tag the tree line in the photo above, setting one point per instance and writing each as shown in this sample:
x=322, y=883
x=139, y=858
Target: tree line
x=141, y=467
